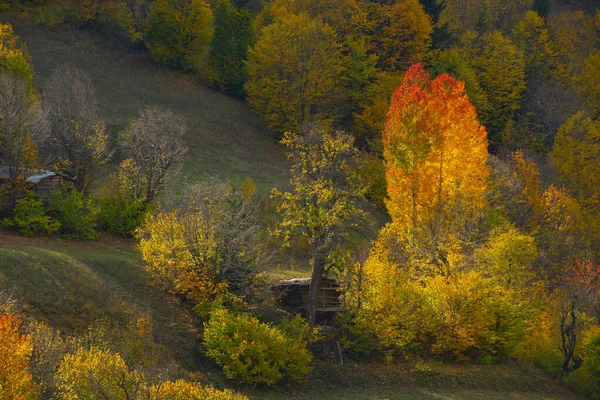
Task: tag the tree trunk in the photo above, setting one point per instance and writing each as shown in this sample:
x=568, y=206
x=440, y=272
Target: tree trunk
x=313, y=292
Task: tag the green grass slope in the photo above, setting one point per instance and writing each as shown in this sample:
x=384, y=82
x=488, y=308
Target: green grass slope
x=70, y=285
x=225, y=137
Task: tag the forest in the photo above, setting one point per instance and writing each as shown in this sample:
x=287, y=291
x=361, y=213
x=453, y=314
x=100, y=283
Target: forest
x=168, y=166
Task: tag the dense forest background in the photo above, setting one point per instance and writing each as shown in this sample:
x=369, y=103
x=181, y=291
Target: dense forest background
x=443, y=168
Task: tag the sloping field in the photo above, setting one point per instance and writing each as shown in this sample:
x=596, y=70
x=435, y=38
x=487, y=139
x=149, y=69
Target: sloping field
x=71, y=285
x=226, y=138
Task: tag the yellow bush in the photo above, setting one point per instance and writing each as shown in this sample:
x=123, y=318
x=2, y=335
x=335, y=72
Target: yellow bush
x=254, y=352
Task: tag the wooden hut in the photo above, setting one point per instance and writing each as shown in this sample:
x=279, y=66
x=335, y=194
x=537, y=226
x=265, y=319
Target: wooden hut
x=293, y=297
x=43, y=181
x=46, y=181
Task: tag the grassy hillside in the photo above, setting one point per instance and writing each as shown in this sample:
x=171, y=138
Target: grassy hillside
x=70, y=285
x=226, y=138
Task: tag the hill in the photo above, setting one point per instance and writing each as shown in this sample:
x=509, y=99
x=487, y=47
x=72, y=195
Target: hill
x=226, y=139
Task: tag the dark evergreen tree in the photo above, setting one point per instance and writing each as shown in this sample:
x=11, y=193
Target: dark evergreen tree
x=542, y=7
x=440, y=33
x=233, y=35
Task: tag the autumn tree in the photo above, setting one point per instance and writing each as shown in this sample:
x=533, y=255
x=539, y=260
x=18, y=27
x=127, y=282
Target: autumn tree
x=293, y=72
x=178, y=33
x=154, y=142
x=405, y=35
x=22, y=122
x=484, y=16
x=233, y=35
x=15, y=352
x=500, y=69
x=533, y=38
x=588, y=82
x=204, y=244
x=576, y=37
x=77, y=143
x=132, y=16
x=508, y=257
x=350, y=19
x=14, y=58
x=580, y=288
x=435, y=150
x=449, y=61
x=576, y=153
x=322, y=206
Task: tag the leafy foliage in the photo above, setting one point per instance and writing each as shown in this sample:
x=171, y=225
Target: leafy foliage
x=178, y=33
x=254, y=352
x=77, y=215
x=15, y=352
x=293, y=69
x=233, y=35
x=30, y=218
x=435, y=149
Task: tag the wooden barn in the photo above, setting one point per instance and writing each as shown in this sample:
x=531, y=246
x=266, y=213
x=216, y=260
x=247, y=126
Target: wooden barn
x=293, y=297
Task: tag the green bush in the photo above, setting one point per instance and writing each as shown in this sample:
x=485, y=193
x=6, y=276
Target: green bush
x=255, y=352
x=78, y=216
x=29, y=217
x=121, y=216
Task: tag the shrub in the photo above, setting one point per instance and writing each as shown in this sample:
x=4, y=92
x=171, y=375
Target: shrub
x=182, y=390
x=255, y=352
x=77, y=215
x=121, y=216
x=30, y=219
x=15, y=351
x=95, y=373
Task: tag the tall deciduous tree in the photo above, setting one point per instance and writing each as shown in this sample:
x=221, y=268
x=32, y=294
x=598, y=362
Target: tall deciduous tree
x=576, y=154
x=294, y=68
x=20, y=122
x=322, y=205
x=77, y=143
x=500, y=69
x=178, y=32
x=405, y=35
x=154, y=142
x=233, y=35
x=434, y=147
x=13, y=57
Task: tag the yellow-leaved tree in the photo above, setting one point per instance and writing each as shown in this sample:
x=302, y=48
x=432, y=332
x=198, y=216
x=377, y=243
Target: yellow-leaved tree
x=15, y=351
x=294, y=69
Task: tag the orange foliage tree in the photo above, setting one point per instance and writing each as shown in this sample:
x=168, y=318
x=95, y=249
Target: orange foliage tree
x=15, y=352
x=435, y=149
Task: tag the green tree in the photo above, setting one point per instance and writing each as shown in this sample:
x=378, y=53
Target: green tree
x=588, y=82
x=576, y=154
x=233, y=35
x=14, y=58
x=178, y=33
x=542, y=7
x=294, y=70
x=322, y=205
x=405, y=35
x=500, y=69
